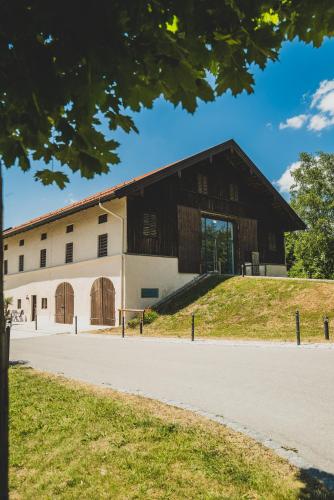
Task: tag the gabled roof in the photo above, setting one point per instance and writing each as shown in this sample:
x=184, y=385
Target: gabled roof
x=137, y=183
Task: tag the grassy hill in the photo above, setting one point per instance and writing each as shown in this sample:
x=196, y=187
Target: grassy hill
x=248, y=308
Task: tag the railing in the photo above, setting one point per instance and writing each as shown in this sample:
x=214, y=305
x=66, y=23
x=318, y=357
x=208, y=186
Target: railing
x=249, y=269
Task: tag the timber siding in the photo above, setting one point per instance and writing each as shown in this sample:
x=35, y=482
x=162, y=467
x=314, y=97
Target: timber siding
x=253, y=214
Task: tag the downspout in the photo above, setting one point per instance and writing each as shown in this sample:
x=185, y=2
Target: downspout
x=122, y=219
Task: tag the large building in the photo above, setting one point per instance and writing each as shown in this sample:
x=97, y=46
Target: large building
x=130, y=245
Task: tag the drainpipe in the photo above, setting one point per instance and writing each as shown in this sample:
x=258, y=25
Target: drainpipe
x=122, y=219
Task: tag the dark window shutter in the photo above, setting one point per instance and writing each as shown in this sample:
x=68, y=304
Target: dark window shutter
x=43, y=258
x=103, y=218
x=102, y=249
x=21, y=263
x=202, y=184
x=69, y=253
x=150, y=225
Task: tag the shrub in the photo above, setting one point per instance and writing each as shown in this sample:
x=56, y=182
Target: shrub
x=149, y=317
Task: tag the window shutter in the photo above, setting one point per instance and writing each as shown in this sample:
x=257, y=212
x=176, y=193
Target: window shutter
x=69, y=253
x=150, y=225
x=43, y=258
x=202, y=184
x=102, y=250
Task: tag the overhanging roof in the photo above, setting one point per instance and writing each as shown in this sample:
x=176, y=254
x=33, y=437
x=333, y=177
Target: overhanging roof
x=126, y=188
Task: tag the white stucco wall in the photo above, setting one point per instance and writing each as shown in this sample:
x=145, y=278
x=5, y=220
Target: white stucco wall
x=86, y=267
x=84, y=238
x=81, y=276
x=145, y=271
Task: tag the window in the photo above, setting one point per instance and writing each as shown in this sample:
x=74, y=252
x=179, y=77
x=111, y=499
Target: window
x=69, y=253
x=150, y=225
x=272, y=242
x=69, y=228
x=43, y=258
x=21, y=243
x=44, y=303
x=150, y=293
x=5, y=247
x=202, y=183
x=19, y=303
x=234, y=192
x=44, y=236
x=5, y=266
x=21, y=263
x=103, y=218
x=102, y=249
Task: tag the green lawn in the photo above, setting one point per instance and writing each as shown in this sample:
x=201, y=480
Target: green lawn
x=73, y=441
x=249, y=308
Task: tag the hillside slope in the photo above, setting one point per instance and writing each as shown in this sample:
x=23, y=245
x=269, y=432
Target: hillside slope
x=249, y=308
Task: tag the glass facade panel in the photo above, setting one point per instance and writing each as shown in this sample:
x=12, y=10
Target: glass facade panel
x=217, y=246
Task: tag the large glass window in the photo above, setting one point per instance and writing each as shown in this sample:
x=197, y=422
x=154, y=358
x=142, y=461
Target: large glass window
x=217, y=246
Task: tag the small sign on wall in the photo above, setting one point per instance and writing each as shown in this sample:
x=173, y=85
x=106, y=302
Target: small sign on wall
x=150, y=293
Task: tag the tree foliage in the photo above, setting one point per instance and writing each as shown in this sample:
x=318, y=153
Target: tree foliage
x=310, y=253
x=68, y=65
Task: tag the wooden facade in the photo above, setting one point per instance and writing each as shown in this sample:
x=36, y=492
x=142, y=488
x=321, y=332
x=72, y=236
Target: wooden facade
x=223, y=185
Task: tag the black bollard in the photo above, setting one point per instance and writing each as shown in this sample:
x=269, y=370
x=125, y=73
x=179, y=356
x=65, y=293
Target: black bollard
x=298, y=327
x=326, y=327
x=192, y=327
x=141, y=326
x=36, y=322
x=76, y=325
x=123, y=326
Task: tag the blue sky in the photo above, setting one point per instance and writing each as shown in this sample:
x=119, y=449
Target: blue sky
x=291, y=110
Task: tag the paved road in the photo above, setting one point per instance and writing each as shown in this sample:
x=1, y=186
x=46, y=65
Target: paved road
x=284, y=393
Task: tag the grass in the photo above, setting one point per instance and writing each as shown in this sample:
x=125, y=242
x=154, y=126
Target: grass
x=247, y=308
x=70, y=440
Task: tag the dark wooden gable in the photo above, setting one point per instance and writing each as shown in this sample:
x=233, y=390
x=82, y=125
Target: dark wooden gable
x=222, y=185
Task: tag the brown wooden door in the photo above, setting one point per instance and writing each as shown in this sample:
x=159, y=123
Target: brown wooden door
x=189, y=234
x=64, y=303
x=102, y=302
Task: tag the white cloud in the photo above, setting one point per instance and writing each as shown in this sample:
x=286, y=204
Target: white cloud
x=294, y=122
x=324, y=88
x=285, y=182
x=321, y=110
x=319, y=122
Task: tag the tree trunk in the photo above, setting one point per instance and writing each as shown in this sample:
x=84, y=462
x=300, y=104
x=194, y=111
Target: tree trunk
x=3, y=372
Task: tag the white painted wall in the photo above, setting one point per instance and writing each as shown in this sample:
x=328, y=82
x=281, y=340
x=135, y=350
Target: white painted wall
x=43, y=283
x=86, y=267
x=146, y=271
x=84, y=238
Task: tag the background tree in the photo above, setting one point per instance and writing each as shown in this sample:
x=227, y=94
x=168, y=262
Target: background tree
x=310, y=253
x=66, y=66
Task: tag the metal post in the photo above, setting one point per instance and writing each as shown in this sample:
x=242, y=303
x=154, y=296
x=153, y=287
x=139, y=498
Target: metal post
x=76, y=325
x=141, y=326
x=298, y=327
x=35, y=321
x=326, y=327
x=192, y=327
x=123, y=326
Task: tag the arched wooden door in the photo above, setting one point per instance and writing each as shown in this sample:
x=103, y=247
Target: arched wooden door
x=64, y=303
x=102, y=302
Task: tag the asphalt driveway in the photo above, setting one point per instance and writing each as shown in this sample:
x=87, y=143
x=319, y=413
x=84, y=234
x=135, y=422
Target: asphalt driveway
x=281, y=394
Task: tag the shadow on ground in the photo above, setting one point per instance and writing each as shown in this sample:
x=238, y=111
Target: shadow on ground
x=317, y=485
